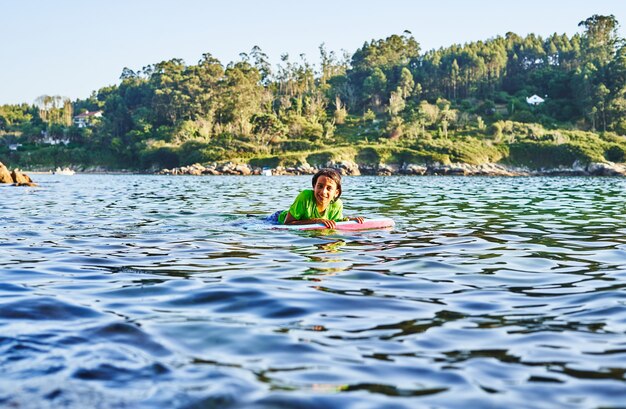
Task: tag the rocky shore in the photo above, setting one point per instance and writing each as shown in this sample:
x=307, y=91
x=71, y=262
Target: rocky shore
x=354, y=169
x=14, y=177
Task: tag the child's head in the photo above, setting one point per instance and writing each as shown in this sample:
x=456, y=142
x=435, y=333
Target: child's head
x=331, y=174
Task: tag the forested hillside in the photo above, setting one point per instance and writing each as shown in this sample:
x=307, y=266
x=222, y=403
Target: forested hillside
x=389, y=101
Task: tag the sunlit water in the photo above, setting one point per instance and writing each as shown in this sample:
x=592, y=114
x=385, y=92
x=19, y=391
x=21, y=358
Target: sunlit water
x=156, y=291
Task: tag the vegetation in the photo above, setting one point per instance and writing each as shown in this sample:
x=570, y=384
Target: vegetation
x=387, y=102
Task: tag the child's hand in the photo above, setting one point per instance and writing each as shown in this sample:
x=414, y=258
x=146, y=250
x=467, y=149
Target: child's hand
x=330, y=224
x=357, y=219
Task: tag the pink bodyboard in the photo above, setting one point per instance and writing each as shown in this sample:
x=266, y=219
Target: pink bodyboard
x=379, y=223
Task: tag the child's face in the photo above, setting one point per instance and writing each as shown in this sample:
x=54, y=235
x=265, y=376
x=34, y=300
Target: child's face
x=325, y=191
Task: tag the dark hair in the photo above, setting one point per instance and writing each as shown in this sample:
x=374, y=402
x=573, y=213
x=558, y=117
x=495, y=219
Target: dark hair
x=331, y=174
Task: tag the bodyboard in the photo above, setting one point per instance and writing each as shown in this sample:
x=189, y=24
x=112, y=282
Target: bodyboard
x=379, y=223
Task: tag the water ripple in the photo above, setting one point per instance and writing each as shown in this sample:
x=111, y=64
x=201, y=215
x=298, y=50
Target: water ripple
x=150, y=291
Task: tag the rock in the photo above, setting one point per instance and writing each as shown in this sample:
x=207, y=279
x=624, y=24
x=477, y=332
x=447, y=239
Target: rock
x=15, y=177
x=5, y=175
x=492, y=169
x=19, y=178
x=412, y=169
x=196, y=169
x=345, y=167
x=211, y=170
x=243, y=169
x=606, y=169
x=620, y=168
x=227, y=168
x=384, y=169
x=367, y=169
x=306, y=169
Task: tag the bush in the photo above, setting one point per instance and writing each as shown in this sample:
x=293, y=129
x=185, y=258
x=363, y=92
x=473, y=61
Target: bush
x=163, y=157
x=615, y=153
x=340, y=116
x=268, y=162
x=369, y=116
x=299, y=126
x=298, y=145
x=542, y=154
x=523, y=116
x=198, y=152
x=60, y=156
x=465, y=150
x=406, y=155
x=267, y=124
x=275, y=161
x=368, y=156
x=487, y=108
x=319, y=159
x=395, y=128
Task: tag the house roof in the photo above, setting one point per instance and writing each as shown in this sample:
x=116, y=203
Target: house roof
x=534, y=99
x=88, y=114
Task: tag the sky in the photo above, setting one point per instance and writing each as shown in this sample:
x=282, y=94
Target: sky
x=72, y=48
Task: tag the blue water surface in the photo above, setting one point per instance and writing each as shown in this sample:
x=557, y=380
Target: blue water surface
x=159, y=291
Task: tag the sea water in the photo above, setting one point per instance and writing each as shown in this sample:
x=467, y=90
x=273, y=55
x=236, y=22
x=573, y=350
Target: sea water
x=159, y=291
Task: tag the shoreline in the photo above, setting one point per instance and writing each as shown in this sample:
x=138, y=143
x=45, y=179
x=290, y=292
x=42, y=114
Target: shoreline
x=349, y=168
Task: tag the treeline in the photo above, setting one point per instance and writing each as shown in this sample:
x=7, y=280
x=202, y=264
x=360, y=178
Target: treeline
x=452, y=103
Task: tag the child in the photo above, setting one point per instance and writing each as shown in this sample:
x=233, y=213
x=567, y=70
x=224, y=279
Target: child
x=319, y=205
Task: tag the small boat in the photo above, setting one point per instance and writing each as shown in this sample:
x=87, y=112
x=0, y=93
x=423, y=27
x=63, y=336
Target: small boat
x=64, y=171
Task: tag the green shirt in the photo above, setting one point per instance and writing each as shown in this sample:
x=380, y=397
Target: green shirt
x=305, y=208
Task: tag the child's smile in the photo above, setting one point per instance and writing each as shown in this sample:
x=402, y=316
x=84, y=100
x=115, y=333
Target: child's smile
x=325, y=191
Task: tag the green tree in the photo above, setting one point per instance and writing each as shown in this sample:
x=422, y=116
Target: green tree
x=600, y=38
x=406, y=84
x=396, y=102
x=374, y=88
x=241, y=96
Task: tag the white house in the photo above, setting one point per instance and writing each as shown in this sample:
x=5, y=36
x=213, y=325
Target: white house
x=54, y=141
x=85, y=119
x=51, y=140
x=535, y=100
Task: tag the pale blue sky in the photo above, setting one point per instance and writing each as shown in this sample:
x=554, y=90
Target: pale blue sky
x=72, y=47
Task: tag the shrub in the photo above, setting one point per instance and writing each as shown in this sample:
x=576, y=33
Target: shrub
x=267, y=124
x=298, y=145
x=267, y=162
x=369, y=116
x=615, y=153
x=163, y=157
x=523, y=116
x=542, y=154
x=395, y=128
x=198, y=152
x=480, y=123
x=340, y=115
x=369, y=156
x=319, y=159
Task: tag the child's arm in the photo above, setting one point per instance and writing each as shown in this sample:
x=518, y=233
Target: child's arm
x=331, y=224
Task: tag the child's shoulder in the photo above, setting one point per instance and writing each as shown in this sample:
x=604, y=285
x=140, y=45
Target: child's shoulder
x=306, y=193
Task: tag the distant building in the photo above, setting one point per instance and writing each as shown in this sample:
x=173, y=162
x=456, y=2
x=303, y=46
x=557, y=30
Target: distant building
x=86, y=118
x=535, y=100
x=51, y=140
x=54, y=141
